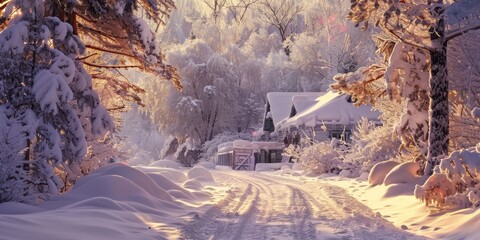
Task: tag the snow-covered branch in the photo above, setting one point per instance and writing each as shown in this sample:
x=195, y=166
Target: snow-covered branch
x=458, y=32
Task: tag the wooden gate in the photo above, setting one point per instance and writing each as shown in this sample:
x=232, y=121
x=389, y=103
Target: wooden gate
x=244, y=161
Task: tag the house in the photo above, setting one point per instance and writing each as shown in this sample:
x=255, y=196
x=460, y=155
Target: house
x=332, y=115
x=291, y=116
x=281, y=105
x=244, y=155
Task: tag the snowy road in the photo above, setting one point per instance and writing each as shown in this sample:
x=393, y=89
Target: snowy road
x=268, y=206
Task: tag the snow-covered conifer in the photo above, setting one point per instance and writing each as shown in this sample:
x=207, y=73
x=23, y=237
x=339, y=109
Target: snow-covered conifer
x=46, y=97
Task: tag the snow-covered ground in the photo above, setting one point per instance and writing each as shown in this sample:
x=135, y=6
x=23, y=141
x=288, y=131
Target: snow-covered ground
x=262, y=205
x=123, y=202
x=116, y=202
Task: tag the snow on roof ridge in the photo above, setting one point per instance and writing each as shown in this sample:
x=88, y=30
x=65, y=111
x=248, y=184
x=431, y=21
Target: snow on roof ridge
x=281, y=102
x=331, y=107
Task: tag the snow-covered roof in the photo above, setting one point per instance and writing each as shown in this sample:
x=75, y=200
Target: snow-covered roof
x=330, y=108
x=281, y=102
x=229, y=146
x=301, y=103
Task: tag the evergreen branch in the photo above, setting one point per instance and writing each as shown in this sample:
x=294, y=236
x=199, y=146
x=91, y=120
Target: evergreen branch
x=4, y=5
x=103, y=33
x=116, y=108
x=83, y=58
x=109, y=51
x=112, y=66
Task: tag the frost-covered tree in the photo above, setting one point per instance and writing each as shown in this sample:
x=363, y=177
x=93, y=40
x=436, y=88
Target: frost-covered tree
x=216, y=7
x=209, y=83
x=422, y=26
x=248, y=114
x=46, y=91
x=282, y=15
x=253, y=55
x=54, y=116
x=238, y=9
x=140, y=141
x=324, y=44
x=464, y=76
x=116, y=36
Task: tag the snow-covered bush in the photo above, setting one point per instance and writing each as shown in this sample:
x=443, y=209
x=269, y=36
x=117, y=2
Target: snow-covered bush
x=370, y=145
x=188, y=153
x=455, y=182
x=321, y=157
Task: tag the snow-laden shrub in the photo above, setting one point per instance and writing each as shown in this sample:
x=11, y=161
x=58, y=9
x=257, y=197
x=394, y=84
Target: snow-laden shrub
x=370, y=145
x=455, y=182
x=321, y=157
x=139, y=138
x=188, y=153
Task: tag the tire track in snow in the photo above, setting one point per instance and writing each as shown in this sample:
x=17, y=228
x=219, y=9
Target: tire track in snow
x=349, y=218
x=246, y=226
x=268, y=206
x=302, y=230
x=233, y=220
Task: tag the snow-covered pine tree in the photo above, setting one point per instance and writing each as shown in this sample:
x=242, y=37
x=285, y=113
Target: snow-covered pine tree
x=45, y=95
x=117, y=28
x=424, y=25
x=116, y=37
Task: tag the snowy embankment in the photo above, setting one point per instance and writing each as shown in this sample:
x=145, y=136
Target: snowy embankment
x=122, y=202
x=116, y=202
x=396, y=204
x=407, y=212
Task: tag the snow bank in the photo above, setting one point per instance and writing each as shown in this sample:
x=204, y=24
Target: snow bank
x=259, y=167
x=166, y=164
x=207, y=165
x=403, y=173
x=345, y=173
x=115, y=202
x=18, y=208
x=379, y=171
x=408, y=213
x=115, y=187
x=297, y=166
x=193, y=184
x=200, y=173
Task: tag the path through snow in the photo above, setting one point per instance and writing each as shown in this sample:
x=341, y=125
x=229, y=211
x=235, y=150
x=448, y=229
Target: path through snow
x=269, y=206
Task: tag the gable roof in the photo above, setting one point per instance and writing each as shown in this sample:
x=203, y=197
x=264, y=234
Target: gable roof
x=281, y=102
x=330, y=108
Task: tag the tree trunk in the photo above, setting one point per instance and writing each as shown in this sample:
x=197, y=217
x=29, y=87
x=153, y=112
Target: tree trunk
x=438, y=110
